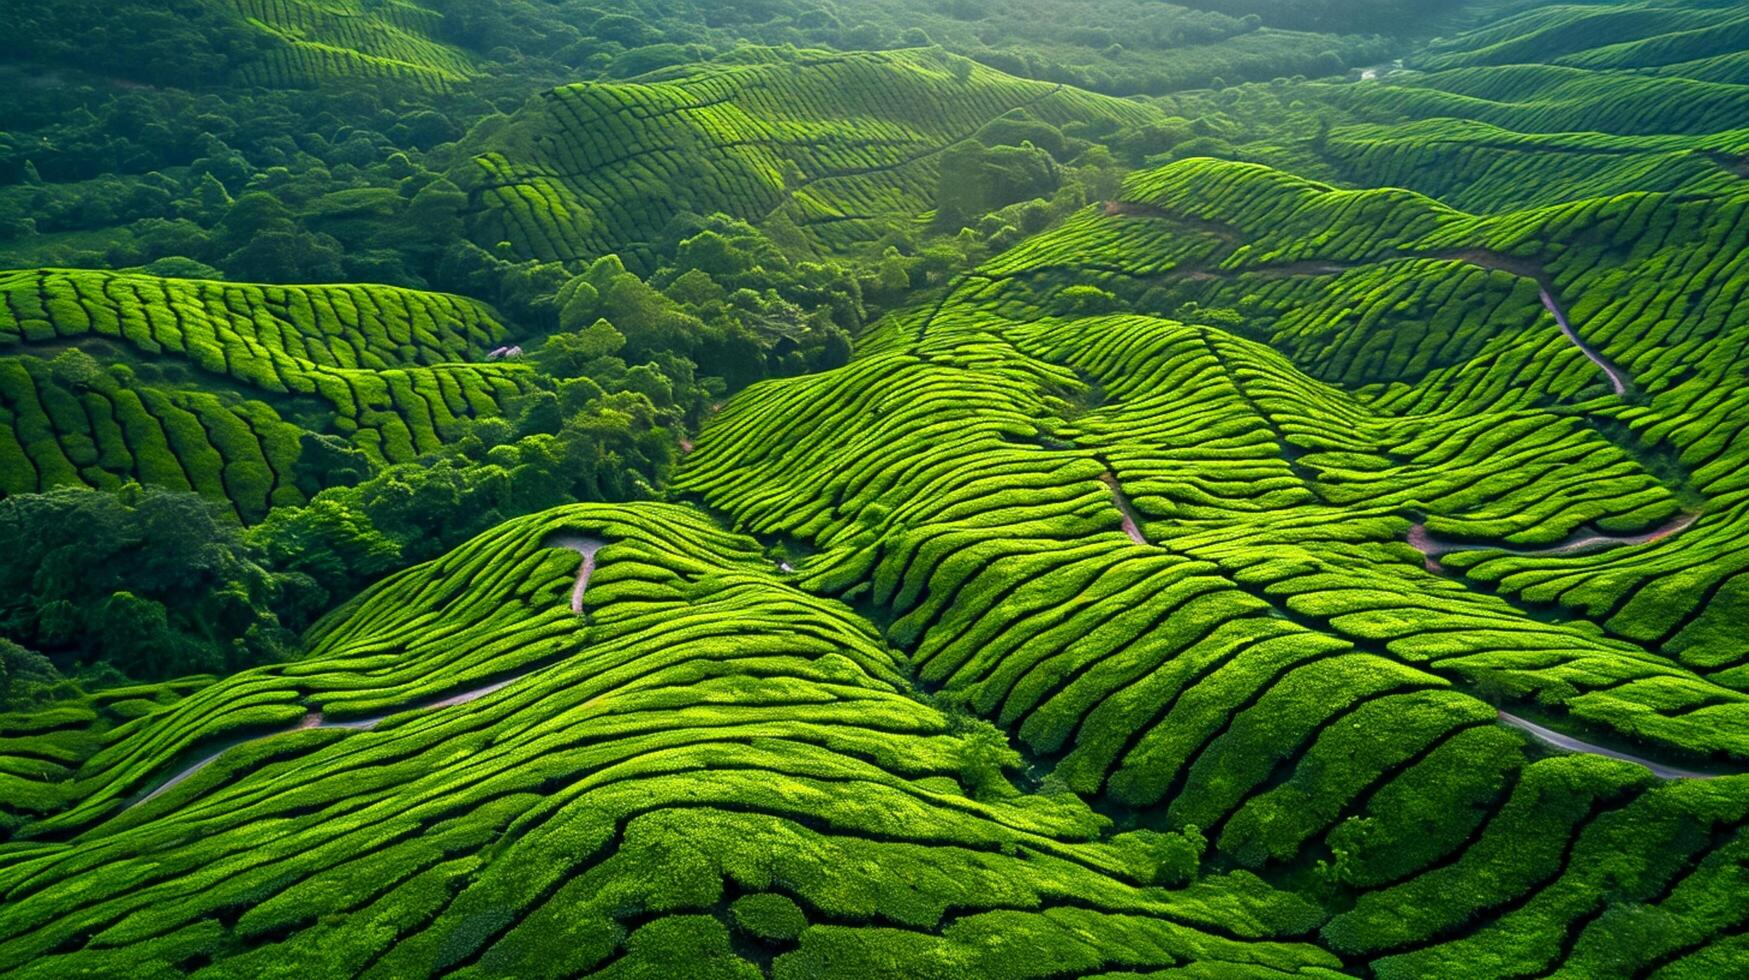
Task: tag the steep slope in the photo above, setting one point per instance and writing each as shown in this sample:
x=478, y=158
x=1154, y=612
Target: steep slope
x=1253, y=575
x=622, y=738
x=211, y=386
x=1185, y=574
x=305, y=42
x=837, y=146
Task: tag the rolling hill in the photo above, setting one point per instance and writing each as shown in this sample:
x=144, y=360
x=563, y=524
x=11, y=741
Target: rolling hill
x=1324, y=556
x=834, y=147
x=211, y=386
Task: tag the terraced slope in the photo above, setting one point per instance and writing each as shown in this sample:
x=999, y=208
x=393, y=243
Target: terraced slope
x=1531, y=382
x=305, y=42
x=1372, y=628
x=1196, y=576
x=1250, y=576
x=1559, y=103
x=839, y=145
x=213, y=384
x=708, y=765
x=397, y=46
x=663, y=754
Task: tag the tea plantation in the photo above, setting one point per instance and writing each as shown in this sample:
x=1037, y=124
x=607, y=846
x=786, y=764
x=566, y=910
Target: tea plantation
x=387, y=369
x=834, y=148
x=1303, y=531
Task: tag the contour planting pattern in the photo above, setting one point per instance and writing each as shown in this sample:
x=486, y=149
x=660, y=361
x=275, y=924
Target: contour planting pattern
x=1183, y=568
x=1329, y=564
x=837, y=145
x=305, y=42
x=705, y=749
x=1561, y=103
x=384, y=368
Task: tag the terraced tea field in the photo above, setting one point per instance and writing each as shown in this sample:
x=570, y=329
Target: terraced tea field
x=1212, y=580
x=836, y=145
x=393, y=41
x=212, y=385
x=1325, y=556
x=1560, y=103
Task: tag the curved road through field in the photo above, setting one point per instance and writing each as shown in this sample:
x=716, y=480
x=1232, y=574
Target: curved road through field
x=587, y=547
x=1567, y=743
x=1578, y=543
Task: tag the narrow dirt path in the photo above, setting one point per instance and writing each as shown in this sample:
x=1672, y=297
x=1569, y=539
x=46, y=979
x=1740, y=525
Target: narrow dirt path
x=1616, y=380
x=1568, y=743
x=316, y=720
x=1131, y=524
x=1583, y=541
x=1482, y=258
x=587, y=547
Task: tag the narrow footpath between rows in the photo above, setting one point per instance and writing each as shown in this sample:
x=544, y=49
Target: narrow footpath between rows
x=1481, y=258
x=1616, y=380
x=1568, y=743
x=587, y=547
x=1579, y=542
x=1131, y=524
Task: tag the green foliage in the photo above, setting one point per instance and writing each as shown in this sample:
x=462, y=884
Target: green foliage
x=738, y=137
x=769, y=916
x=27, y=679
x=1076, y=571
x=976, y=179
x=152, y=583
x=377, y=365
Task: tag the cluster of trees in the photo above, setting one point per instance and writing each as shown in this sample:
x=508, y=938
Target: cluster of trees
x=145, y=583
x=174, y=43
x=1027, y=38
x=615, y=387
x=1344, y=16
x=273, y=186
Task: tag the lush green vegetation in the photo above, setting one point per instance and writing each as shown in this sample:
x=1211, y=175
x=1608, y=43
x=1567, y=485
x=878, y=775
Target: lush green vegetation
x=798, y=489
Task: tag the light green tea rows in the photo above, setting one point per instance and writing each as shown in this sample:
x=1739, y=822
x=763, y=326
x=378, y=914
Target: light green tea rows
x=307, y=42
x=707, y=749
x=840, y=145
x=383, y=368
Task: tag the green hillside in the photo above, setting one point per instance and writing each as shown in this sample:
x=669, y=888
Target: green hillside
x=1559, y=103
x=834, y=149
x=274, y=43
x=211, y=386
x=307, y=42
x=807, y=490
x=712, y=763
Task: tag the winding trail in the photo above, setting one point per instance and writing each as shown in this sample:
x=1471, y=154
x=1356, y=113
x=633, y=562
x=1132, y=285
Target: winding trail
x=1616, y=380
x=1421, y=540
x=1567, y=743
x=313, y=721
x=587, y=547
x=1486, y=259
x=1131, y=525
x=1481, y=258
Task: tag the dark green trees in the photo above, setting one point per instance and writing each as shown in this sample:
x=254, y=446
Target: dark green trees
x=153, y=583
